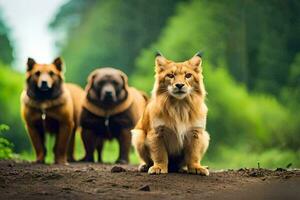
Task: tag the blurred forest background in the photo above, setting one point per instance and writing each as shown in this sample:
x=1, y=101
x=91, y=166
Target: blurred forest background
x=251, y=67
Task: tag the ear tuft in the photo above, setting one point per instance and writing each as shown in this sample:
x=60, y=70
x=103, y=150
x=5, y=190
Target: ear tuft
x=160, y=61
x=158, y=54
x=30, y=63
x=199, y=54
x=196, y=61
x=58, y=63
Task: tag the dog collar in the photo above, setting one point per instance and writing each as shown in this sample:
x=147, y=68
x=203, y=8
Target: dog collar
x=107, y=113
x=44, y=105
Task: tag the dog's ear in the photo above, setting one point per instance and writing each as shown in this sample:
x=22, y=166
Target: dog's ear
x=160, y=61
x=90, y=81
x=58, y=63
x=30, y=63
x=124, y=78
x=196, y=61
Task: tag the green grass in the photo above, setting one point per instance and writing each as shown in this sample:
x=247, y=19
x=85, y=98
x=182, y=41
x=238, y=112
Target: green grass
x=240, y=157
x=223, y=158
x=109, y=154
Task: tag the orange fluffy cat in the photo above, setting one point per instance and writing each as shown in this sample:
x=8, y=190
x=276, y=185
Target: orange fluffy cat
x=171, y=133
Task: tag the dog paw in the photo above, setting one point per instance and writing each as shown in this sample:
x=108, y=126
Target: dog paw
x=143, y=168
x=71, y=160
x=157, y=170
x=183, y=170
x=39, y=162
x=86, y=159
x=61, y=162
x=198, y=170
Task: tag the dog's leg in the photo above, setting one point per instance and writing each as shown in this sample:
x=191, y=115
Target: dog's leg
x=71, y=146
x=99, y=146
x=37, y=137
x=62, y=141
x=124, y=140
x=89, y=139
x=158, y=152
x=195, y=147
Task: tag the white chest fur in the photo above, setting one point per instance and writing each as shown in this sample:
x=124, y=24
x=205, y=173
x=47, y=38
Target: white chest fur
x=177, y=133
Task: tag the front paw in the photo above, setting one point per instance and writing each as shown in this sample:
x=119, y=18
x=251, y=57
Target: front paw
x=198, y=169
x=157, y=170
x=143, y=168
x=87, y=159
x=71, y=160
x=61, y=162
x=38, y=161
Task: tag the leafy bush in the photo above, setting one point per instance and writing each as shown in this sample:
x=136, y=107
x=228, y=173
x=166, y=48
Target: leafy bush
x=5, y=146
x=11, y=84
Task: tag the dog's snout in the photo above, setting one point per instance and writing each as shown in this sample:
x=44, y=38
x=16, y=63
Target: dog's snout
x=108, y=93
x=44, y=84
x=179, y=85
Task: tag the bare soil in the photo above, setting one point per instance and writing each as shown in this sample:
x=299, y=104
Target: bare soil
x=21, y=180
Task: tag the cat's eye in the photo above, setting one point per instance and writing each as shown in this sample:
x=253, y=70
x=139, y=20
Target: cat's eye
x=188, y=75
x=170, y=75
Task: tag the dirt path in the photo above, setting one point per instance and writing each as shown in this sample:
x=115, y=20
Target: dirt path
x=96, y=181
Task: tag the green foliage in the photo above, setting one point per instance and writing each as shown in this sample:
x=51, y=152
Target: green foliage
x=239, y=157
x=255, y=40
x=11, y=84
x=291, y=92
x=235, y=116
x=110, y=33
x=6, y=50
x=5, y=146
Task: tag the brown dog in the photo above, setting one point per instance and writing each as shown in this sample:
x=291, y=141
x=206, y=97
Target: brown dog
x=50, y=105
x=110, y=110
x=171, y=134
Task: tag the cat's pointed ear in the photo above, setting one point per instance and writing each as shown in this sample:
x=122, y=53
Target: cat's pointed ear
x=160, y=61
x=30, y=63
x=196, y=61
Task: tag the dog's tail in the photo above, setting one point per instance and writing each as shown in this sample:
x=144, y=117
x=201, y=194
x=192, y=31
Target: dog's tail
x=138, y=142
x=138, y=137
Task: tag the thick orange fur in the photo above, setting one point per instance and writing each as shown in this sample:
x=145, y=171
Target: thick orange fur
x=173, y=123
x=61, y=114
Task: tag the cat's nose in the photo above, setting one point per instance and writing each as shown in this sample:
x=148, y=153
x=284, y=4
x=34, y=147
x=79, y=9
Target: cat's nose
x=179, y=85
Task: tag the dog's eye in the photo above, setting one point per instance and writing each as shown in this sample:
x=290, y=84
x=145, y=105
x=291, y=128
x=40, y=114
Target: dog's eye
x=51, y=73
x=38, y=73
x=170, y=75
x=188, y=75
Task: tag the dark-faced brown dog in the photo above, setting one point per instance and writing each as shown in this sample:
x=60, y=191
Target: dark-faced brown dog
x=110, y=110
x=50, y=105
